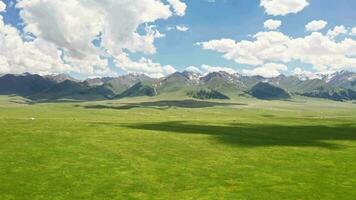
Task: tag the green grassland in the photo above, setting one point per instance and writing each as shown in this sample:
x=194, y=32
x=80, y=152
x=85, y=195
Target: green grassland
x=150, y=148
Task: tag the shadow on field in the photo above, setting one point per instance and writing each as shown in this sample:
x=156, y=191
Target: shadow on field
x=164, y=105
x=251, y=135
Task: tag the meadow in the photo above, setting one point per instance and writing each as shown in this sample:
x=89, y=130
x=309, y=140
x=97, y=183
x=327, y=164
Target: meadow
x=150, y=148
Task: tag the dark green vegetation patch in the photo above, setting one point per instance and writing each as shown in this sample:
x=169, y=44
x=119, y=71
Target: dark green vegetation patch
x=207, y=94
x=268, y=92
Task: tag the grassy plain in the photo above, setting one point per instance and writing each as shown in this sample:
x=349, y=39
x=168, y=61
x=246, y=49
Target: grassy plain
x=148, y=148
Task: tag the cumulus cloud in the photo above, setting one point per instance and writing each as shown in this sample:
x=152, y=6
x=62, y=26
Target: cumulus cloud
x=178, y=6
x=268, y=70
x=73, y=24
x=38, y=56
x=272, y=24
x=193, y=69
x=182, y=28
x=316, y=25
x=338, y=30
x=205, y=69
x=283, y=7
x=268, y=46
x=2, y=6
x=144, y=65
x=63, y=34
x=209, y=69
x=316, y=49
x=353, y=31
x=223, y=45
x=4, y=65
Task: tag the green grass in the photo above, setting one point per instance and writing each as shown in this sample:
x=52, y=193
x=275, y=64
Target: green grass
x=147, y=148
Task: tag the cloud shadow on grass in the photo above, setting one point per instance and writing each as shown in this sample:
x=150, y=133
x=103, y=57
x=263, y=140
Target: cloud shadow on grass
x=257, y=135
x=164, y=105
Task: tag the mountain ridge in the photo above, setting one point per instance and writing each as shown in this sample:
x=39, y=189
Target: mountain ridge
x=338, y=86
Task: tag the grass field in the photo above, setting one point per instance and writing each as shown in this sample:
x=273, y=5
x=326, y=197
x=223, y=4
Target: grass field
x=164, y=149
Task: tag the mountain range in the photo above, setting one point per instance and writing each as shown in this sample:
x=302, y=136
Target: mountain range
x=339, y=86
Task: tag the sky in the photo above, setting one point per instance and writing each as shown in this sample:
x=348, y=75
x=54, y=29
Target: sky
x=96, y=38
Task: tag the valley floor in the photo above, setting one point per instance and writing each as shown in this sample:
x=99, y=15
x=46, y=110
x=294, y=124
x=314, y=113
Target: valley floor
x=177, y=149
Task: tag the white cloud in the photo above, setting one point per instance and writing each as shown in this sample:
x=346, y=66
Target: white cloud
x=272, y=24
x=222, y=45
x=209, y=69
x=205, y=69
x=299, y=71
x=193, y=69
x=316, y=49
x=283, y=7
x=4, y=65
x=182, y=28
x=169, y=28
x=353, y=31
x=145, y=66
x=168, y=69
x=316, y=25
x=2, y=6
x=179, y=7
x=37, y=56
x=269, y=46
x=64, y=31
x=73, y=24
x=268, y=70
x=338, y=30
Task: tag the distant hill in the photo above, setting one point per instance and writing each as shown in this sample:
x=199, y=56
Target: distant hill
x=139, y=89
x=337, y=94
x=120, y=84
x=24, y=84
x=64, y=90
x=268, y=92
x=177, y=82
x=339, y=86
x=223, y=82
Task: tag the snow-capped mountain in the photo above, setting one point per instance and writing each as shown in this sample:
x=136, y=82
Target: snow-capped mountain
x=58, y=78
x=193, y=76
x=337, y=86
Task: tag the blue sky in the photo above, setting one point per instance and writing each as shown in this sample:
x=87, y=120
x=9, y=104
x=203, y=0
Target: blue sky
x=235, y=20
x=238, y=19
